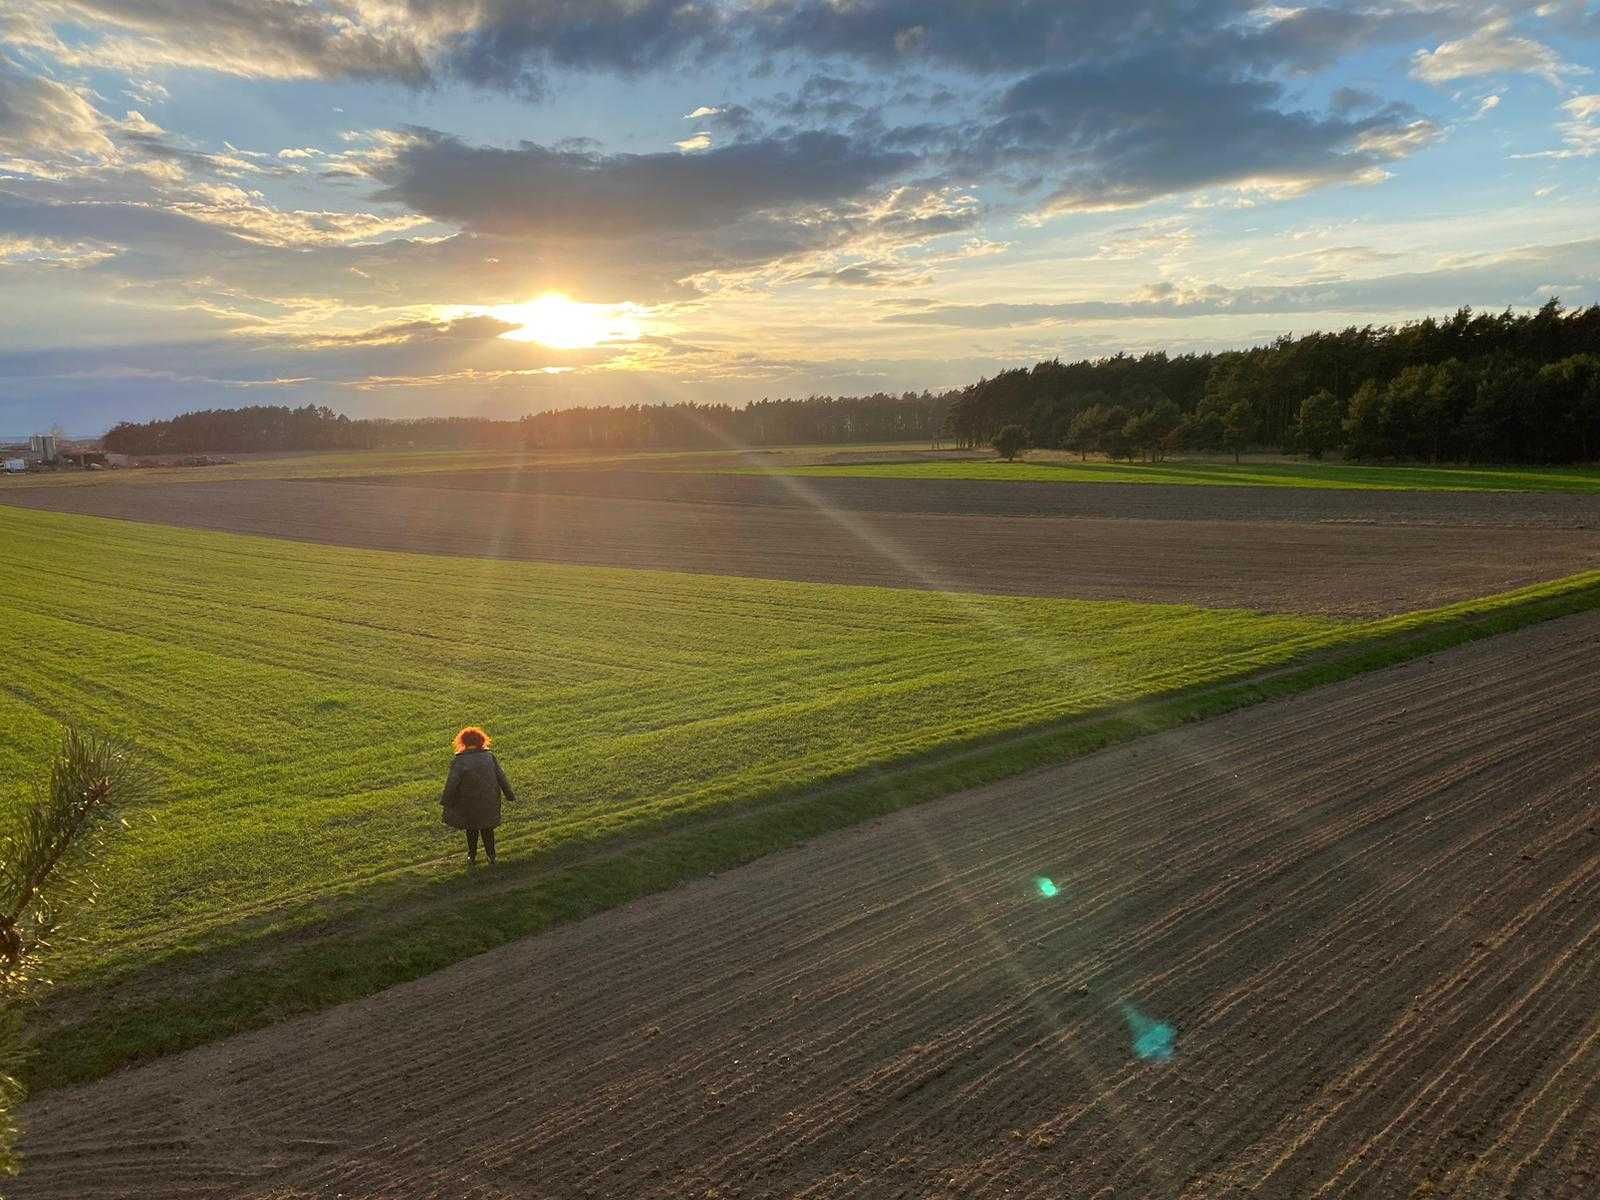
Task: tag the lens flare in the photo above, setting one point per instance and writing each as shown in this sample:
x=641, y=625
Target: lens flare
x=1046, y=886
x=1153, y=1041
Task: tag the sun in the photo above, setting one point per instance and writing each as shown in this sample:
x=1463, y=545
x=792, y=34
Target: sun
x=561, y=323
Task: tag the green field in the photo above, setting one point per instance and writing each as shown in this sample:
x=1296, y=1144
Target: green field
x=298, y=702
x=1296, y=475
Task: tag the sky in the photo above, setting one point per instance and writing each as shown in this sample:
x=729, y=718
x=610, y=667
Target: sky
x=402, y=208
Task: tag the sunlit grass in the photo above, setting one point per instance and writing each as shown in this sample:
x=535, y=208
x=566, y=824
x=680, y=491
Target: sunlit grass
x=300, y=700
x=1294, y=475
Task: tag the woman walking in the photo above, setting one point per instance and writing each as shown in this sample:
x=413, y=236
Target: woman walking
x=472, y=791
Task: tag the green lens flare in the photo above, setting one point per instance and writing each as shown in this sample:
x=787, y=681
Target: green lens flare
x=1046, y=886
x=1153, y=1041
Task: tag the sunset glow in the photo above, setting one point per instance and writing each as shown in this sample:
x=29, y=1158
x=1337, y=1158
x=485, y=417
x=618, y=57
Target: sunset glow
x=560, y=323
x=397, y=208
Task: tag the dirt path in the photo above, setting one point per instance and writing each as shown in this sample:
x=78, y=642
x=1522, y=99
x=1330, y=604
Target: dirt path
x=1346, y=945
x=1278, y=566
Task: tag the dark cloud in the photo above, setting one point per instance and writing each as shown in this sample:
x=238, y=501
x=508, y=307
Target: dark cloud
x=826, y=99
x=140, y=225
x=536, y=190
x=514, y=44
x=1316, y=36
x=510, y=44
x=42, y=118
x=1347, y=100
x=1576, y=18
x=733, y=120
x=983, y=37
x=1124, y=133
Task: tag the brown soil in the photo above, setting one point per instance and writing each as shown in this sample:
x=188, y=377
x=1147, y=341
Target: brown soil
x=1334, y=568
x=1162, y=502
x=1370, y=916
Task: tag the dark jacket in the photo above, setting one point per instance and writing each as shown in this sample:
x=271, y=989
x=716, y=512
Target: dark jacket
x=472, y=792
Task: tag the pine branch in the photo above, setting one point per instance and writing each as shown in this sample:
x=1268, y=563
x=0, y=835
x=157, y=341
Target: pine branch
x=42, y=866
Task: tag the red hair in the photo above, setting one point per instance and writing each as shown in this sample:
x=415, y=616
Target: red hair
x=472, y=738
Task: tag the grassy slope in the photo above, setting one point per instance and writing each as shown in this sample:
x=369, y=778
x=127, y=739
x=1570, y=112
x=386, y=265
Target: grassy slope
x=298, y=699
x=1302, y=475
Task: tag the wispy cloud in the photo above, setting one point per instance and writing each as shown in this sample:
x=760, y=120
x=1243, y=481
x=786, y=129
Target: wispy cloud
x=1492, y=50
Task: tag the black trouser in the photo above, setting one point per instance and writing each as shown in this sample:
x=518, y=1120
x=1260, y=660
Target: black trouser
x=488, y=843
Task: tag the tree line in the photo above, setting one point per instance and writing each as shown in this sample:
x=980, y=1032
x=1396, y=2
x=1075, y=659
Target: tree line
x=262, y=428
x=1477, y=387
x=814, y=420
x=824, y=420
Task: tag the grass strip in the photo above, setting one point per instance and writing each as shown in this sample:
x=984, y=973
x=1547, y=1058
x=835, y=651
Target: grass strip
x=1330, y=476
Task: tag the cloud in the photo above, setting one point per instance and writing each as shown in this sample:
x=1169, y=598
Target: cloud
x=1493, y=49
x=700, y=141
x=263, y=264
x=109, y=224
x=1577, y=18
x=535, y=190
x=1514, y=277
x=512, y=44
x=870, y=275
x=471, y=329
x=147, y=92
x=263, y=39
x=248, y=214
x=1121, y=134
x=1025, y=34
x=515, y=44
x=824, y=99
x=43, y=119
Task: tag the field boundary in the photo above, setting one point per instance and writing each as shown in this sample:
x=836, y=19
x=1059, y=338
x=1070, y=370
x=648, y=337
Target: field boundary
x=320, y=965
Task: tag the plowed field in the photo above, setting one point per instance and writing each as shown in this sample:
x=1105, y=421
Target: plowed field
x=1024, y=498
x=1175, y=554
x=1343, y=945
